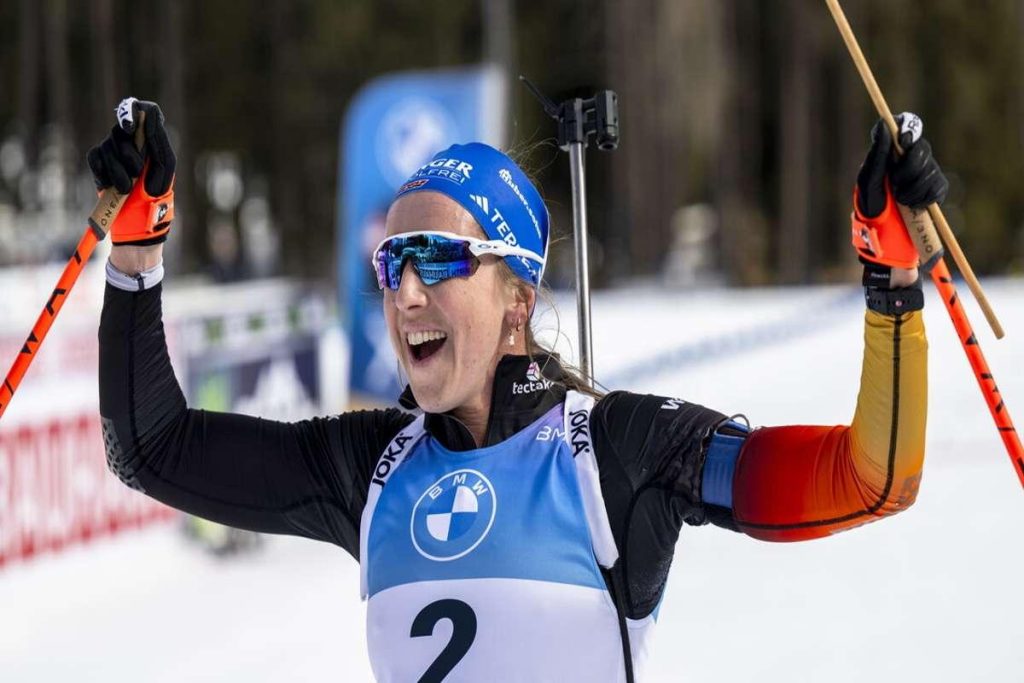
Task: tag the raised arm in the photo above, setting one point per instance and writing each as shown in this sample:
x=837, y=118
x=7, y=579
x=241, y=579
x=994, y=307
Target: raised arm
x=307, y=478
x=800, y=482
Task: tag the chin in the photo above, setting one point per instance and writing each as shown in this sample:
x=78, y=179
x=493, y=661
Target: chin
x=431, y=389
x=430, y=399
x=436, y=384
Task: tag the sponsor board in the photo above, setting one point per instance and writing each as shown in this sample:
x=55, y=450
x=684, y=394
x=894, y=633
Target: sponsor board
x=55, y=489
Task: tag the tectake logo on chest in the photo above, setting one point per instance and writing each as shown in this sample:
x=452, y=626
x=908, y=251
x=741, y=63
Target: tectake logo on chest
x=453, y=515
x=535, y=381
x=455, y=170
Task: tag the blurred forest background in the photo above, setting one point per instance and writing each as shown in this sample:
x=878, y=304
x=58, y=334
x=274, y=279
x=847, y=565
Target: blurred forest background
x=743, y=123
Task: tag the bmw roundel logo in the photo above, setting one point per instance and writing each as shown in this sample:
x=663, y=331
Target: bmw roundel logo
x=453, y=515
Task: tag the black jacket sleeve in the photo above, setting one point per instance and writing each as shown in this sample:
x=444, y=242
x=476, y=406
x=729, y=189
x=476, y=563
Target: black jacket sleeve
x=306, y=478
x=650, y=452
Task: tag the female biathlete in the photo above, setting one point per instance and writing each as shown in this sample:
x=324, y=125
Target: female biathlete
x=537, y=516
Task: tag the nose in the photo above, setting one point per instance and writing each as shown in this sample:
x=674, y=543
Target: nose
x=412, y=293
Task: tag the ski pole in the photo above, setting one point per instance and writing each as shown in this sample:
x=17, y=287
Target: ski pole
x=102, y=217
x=986, y=382
x=929, y=248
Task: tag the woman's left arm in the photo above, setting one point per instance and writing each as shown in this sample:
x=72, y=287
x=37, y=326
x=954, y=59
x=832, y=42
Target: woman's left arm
x=796, y=483
x=801, y=482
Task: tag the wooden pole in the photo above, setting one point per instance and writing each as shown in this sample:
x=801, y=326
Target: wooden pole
x=934, y=212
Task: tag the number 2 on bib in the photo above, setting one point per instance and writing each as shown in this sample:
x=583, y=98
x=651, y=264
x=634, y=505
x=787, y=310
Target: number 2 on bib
x=463, y=633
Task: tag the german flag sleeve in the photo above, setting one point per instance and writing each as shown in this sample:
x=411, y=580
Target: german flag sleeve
x=796, y=483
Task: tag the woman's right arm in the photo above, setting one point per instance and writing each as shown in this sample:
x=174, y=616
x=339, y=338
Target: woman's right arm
x=307, y=478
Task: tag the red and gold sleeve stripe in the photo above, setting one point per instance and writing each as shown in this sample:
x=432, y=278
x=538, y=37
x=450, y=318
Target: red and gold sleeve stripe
x=801, y=482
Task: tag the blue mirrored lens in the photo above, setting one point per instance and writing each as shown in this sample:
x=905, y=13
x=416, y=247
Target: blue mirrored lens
x=432, y=273
x=435, y=258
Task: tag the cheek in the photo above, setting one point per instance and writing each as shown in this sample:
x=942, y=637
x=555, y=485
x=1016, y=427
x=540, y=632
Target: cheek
x=389, y=313
x=479, y=319
x=391, y=325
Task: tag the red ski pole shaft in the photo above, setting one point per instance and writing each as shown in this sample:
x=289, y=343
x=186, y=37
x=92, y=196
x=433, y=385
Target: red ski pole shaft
x=929, y=249
x=986, y=382
x=102, y=217
x=60, y=293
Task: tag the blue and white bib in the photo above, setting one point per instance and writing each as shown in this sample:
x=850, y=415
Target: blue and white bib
x=482, y=565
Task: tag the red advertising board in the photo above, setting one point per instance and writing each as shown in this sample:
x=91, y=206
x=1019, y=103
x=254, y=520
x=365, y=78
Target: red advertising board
x=268, y=358
x=55, y=488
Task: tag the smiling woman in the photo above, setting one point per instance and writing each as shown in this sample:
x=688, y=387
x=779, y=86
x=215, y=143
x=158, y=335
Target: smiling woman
x=534, y=517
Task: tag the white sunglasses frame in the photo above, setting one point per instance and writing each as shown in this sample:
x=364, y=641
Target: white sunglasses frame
x=477, y=247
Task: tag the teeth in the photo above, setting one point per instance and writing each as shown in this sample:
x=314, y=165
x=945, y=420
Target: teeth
x=417, y=338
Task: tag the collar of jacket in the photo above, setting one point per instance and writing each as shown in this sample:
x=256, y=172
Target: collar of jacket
x=523, y=391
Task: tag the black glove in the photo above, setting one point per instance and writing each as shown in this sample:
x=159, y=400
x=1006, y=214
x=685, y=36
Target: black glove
x=915, y=177
x=116, y=161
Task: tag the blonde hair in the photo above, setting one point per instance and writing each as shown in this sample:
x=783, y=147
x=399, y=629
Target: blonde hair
x=573, y=377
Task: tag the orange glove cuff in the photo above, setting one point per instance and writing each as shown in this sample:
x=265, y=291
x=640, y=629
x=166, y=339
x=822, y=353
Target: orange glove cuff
x=144, y=219
x=883, y=239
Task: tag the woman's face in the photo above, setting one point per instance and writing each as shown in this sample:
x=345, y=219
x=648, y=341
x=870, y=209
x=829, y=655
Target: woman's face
x=473, y=313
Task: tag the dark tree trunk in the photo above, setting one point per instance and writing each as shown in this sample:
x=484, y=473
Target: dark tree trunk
x=185, y=250
x=498, y=20
x=737, y=189
x=108, y=69
x=640, y=173
x=794, y=154
x=286, y=175
x=58, y=90
x=853, y=131
x=29, y=54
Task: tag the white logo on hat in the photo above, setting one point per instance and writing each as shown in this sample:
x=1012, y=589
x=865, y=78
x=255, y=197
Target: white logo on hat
x=482, y=202
x=506, y=175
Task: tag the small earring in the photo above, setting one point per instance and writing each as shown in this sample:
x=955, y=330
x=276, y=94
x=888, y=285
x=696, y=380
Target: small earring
x=511, y=337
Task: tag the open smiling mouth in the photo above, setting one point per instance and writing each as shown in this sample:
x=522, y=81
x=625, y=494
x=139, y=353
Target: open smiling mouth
x=423, y=345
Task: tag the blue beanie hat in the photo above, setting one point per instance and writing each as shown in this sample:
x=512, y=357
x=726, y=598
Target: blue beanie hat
x=499, y=196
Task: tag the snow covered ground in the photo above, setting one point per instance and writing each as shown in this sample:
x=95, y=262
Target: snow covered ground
x=933, y=594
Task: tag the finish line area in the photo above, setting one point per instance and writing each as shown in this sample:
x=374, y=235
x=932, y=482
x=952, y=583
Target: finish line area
x=922, y=594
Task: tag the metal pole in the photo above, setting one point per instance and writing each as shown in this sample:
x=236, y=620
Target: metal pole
x=579, y=227
x=578, y=119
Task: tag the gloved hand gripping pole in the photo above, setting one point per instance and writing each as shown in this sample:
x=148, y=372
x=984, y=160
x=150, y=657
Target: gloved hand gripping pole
x=922, y=231
x=102, y=217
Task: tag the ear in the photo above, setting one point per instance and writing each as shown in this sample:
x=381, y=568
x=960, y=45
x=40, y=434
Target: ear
x=521, y=302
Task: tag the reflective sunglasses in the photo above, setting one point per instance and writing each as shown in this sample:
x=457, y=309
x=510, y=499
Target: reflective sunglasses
x=436, y=256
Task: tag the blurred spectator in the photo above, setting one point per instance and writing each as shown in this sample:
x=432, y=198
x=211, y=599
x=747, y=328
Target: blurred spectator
x=225, y=256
